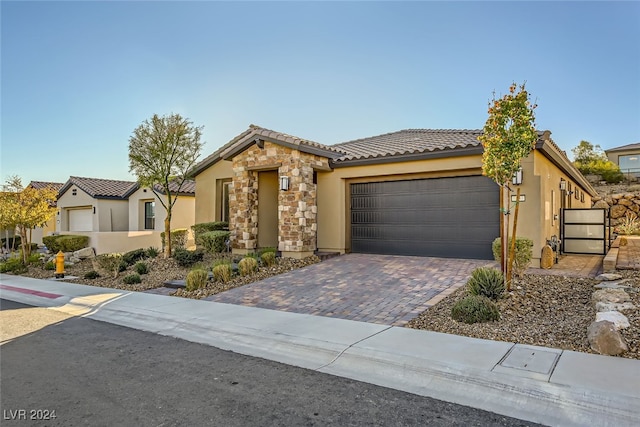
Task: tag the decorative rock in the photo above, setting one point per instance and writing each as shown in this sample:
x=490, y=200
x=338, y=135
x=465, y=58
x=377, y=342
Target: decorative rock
x=618, y=319
x=547, y=259
x=612, y=306
x=609, y=276
x=610, y=295
x=617, y=211
x=616, y=285
x=84, y=253
x=601, y=204
x=605, y=339
x=74, y=259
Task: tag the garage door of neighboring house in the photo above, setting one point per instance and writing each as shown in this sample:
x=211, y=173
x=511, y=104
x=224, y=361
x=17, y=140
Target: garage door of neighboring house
x=81, y=219
x=454, y=217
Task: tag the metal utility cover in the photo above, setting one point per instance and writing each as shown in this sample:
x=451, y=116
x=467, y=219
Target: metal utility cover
x=529, y=361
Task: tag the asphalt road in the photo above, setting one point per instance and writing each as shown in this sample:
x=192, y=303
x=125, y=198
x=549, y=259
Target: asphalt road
x=90, y=373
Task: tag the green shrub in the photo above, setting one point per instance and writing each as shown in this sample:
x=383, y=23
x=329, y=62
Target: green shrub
x=247, y=265
x=487, y=282
x=132, y=279
x=134, y=256
x=186, y=258
x=141, y=268
x=50, y=265
x=13, y=265
x=65, y=242
x=523, y=255
x=222, y=272
x=91, y=274
x=475, y=309
x=629, y=224
x=152, y=252
x=110, y=263
x=268, y=258
x=196, y=279
x=214, y=241
x=205, y=227
x=34, y=257
x=178, y=239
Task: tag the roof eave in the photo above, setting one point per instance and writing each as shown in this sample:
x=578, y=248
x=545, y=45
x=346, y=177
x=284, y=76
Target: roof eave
x=241, y=146
x=426, y=155
x=549, y=151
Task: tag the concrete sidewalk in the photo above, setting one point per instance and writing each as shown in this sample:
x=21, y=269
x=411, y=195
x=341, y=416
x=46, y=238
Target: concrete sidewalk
x=544, y=385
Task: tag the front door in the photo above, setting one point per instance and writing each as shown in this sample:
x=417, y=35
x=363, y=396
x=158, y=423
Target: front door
x=268, y=209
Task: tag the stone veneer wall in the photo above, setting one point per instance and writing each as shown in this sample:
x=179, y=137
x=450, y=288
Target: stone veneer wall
x=297, y=207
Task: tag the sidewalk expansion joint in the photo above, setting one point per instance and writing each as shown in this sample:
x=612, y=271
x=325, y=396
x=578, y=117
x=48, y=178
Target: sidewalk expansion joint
x=351, y=345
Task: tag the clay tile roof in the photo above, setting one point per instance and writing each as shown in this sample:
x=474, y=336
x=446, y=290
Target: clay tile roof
x=101, y=188
x=38, y=185
x=257, y=130
x=408, y=141
x=188, y=188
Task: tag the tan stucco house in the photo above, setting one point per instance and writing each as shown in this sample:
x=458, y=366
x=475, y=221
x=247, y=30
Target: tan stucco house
x=627, y=157
x=119, y=216
x=411, y=192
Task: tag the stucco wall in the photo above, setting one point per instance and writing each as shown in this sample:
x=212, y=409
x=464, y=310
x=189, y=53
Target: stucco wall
x=207, y=206
x=182, y=214
x=121, y=241
x=113, y=215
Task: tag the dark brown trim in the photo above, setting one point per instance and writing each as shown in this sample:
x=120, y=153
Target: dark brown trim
x=562, y=163
x=439, y=154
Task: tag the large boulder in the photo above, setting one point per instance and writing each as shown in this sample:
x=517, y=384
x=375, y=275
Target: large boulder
x=610, y=295
x=601, y=204
x=617, y=211
x=84, y=253
x=618, y=319
x=605, y=339
x=548, y=257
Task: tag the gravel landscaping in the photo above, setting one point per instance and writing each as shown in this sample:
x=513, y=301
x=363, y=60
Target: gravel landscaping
x=548, y=311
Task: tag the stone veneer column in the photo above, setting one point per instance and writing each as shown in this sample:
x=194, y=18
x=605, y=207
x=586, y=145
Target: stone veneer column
x=297, y=207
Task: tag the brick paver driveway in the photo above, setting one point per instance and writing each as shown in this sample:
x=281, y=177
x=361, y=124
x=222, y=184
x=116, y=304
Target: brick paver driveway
x=389, y=290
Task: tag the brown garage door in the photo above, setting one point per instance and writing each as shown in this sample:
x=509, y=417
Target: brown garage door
x=441, y=217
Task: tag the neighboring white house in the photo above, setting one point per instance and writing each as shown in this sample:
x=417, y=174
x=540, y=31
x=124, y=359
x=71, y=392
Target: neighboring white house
x=118, y=216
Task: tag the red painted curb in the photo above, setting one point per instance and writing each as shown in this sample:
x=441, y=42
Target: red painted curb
x=30, y=292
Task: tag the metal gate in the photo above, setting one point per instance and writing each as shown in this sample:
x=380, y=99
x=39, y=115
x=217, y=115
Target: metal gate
x=585, y=231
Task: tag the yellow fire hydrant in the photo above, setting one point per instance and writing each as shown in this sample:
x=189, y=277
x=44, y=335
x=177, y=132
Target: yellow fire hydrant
x=59, y=265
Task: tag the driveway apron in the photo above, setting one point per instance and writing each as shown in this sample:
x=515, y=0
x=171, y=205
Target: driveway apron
x=383, y=289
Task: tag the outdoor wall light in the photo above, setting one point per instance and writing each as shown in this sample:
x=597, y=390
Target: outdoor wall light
x=563, y=184
x=517, y=177
x=284, y=183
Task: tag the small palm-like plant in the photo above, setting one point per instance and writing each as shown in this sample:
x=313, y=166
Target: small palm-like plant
x=487, y=282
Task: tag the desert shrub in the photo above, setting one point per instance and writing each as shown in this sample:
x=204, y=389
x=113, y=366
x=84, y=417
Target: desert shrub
x=523, y=255
x=475, y=309
x=13, y=265
x=152, y=252
x=65, y=242
x=214, y=241
x=178, y=239
x=186, y=258
x=34, y=257
x=91, y=274
x=111, y=263
x=623, y=241
x=247, y=265
x=132, y=279
x=487, y=282
x=222, y=272
x=205, y=227
x=50, y=265
x=630, y=224
x=141, y=268
x=134, y=256
x=268, y=258
x=196, y=279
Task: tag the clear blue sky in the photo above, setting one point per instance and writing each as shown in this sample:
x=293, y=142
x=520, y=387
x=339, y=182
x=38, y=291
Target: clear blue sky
x=79, y=77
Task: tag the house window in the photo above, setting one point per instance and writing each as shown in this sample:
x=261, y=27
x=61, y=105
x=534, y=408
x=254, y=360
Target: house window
x=149, y=215
x=629, y=164
x=226, y=189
